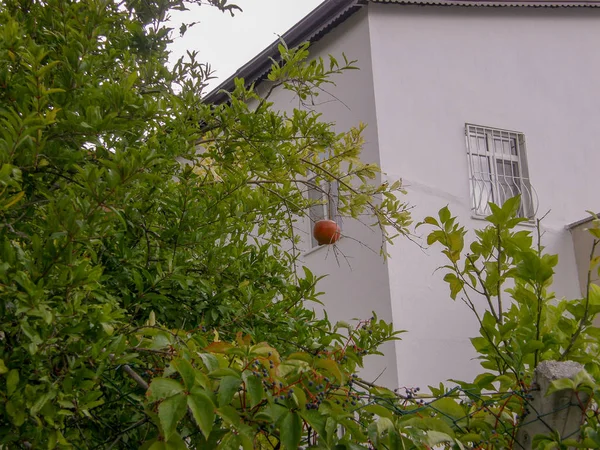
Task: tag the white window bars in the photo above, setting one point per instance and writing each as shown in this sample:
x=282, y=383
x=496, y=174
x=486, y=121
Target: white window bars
x=498, y=169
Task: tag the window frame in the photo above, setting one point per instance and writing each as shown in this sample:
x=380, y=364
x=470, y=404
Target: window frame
x=494, y=188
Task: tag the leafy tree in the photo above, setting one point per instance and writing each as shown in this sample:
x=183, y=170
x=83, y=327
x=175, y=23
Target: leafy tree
x=148, y=277
x=522, y=324
x=141, y=227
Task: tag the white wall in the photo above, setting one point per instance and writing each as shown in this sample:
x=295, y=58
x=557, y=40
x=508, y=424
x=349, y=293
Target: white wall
x=357, y=280
x=436, y=68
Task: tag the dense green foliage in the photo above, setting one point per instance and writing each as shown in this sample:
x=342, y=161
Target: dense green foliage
x=149, y=288
x=521, y=324
x=125, y=197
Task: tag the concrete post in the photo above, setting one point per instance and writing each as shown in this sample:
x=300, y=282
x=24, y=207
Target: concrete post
x=560, y=411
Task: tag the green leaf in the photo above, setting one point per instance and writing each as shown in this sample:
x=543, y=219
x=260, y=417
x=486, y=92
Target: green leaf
x=230, y=441
x=291, y=431
x=230, y=415
x=435, y=438
x=384, y=425
x=444, y=214
x=203, y=411
x=255, y=389
x=332, y=367
x=485, y=380
x=170, y=412
x=223, y=372
x=176, y=443
x=316, y=421
x=583, y=380
x=227, y=389
x=511, y=206
x=594, y=290
x=186, y=371
x=302, y=356
x=12, y=380
x=532, y=345
x=379, y=410
x=3, y=368
x=210, y=361
x=353, y=446
x=456, y=285
x=430, y=221
x=560, y=385
x=16, y=413
x=43, y=399
x=162, y=388
x=449, y=408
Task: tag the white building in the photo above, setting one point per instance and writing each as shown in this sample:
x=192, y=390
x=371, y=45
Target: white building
x=428, y=69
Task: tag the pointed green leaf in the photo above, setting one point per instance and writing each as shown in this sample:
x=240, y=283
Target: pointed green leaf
x=316, y=421
x=230, y=415
x=210, y=361
x=444, y=214
x=254, y=388
x=455, y=283
x=170, y=412
x=332, y=367
x=203, y=411
x=435, y=438
x=560, y=385
x=227, y=389
x=384, y=425
x=448, y=408
x=186, y=371
x=230, y=441
x=291, y=431
x=12, y=380
x=162, y=388
x=379, y=410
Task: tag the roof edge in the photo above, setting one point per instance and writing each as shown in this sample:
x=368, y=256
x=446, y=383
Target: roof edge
x=311, y=28
x=583, y=221
x=499, y=3
x=331, y=13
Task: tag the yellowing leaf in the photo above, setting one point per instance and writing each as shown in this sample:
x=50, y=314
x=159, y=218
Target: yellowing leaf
x=14, y=199
x=218, y=347
x=332, y=367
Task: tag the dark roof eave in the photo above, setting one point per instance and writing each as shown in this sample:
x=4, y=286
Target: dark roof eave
x=499, y=3
x=310, y=28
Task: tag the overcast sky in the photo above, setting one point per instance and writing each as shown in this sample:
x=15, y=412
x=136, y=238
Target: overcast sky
x=226, y=42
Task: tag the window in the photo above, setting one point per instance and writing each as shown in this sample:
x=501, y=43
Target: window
x=325, y=197
x=497, y=169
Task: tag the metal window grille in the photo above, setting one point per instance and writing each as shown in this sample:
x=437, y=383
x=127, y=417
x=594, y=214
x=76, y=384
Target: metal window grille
x=325, y=199
x=498, y=169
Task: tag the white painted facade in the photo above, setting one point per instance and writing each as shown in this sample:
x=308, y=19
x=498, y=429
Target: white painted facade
x=425, y=72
